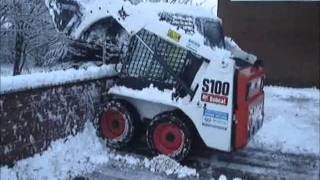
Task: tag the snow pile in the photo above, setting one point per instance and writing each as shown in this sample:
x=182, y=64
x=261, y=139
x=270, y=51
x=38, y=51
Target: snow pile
x=63, y=160
x=292, y=122
x=36, y=80
x=164, y=164
x=222, y=177
x=159, y=164
x=82, y=154
x=127, y=159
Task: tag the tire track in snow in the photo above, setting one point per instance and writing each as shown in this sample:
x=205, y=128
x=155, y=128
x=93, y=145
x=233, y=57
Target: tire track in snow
x=249, y=163
x=256, y=164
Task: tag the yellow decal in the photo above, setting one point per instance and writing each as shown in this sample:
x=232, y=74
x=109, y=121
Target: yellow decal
x=174, y=35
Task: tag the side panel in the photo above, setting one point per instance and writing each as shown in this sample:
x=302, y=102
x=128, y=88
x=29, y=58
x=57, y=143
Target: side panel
x=212, y=106
x=211, y=109
x=147, y=109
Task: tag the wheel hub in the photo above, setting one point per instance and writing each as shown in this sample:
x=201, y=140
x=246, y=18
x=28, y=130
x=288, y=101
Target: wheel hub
x=112, y=124
x=115, y=124
x=168, y=138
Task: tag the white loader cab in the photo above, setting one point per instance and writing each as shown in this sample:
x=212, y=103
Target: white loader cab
x=178, y=75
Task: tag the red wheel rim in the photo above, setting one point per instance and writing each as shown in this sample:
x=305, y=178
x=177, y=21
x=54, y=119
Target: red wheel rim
x=112, y=124
x=168, y=138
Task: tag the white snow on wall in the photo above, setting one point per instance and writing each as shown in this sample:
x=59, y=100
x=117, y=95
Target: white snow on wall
x=36, y=80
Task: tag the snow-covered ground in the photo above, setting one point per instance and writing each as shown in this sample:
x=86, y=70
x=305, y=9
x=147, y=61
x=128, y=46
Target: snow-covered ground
x=80, y=155
x=291, y=125
x=292, y=121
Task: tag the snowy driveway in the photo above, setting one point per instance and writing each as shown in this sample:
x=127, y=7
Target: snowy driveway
x=286, y=147
x=292, y=121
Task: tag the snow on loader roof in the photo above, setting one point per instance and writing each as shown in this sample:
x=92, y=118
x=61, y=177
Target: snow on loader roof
x=191, y=27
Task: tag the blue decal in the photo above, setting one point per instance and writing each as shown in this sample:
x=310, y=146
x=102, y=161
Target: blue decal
x=215, y=114
x=215, y=119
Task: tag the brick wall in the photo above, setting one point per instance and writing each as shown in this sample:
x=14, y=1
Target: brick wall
x=31, y=119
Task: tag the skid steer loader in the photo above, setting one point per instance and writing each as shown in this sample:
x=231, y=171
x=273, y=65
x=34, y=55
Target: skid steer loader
x=178, y=75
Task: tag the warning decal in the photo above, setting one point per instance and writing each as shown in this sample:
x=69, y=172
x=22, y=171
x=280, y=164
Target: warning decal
x=174, y=35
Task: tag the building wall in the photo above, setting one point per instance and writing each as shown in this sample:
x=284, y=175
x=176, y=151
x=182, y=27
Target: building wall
x=283, y=34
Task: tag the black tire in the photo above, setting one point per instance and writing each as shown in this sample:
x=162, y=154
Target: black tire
x=117, y=123
x=170, y=136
